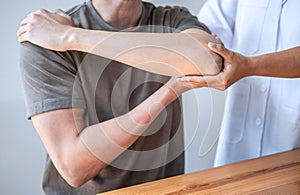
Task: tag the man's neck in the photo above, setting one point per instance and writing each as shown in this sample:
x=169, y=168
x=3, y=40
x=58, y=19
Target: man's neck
x=120, y=14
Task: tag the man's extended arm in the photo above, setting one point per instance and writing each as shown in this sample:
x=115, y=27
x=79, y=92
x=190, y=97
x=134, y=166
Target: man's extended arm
x=173, y=54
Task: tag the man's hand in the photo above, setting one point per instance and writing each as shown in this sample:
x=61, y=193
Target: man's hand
x=46, y=29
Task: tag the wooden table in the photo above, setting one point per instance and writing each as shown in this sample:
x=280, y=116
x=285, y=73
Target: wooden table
x=274, y=174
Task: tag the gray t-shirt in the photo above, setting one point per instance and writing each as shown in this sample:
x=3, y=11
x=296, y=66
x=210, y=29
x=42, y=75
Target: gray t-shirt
x=107, y=89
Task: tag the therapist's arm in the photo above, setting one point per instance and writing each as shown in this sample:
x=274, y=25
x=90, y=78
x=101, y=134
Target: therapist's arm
x=285, y=64
x=279, y=64
x=173, y=54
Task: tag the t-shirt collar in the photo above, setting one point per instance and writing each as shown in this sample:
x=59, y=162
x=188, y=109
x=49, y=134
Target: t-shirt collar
x=107, y=26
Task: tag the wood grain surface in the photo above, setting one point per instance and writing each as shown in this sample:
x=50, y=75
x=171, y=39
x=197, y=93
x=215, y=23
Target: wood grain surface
x=274, y=174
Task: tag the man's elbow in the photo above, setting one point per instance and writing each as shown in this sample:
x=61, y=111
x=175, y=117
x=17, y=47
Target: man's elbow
x=73, y=176
x=76, y=174
x=75, y=183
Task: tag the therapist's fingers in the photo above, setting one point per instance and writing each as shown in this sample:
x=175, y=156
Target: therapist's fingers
x=221, y=50
x=216, y=82
x=219, y=81
x=217, y=38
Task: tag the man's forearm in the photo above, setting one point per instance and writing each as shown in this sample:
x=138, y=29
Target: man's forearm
x=284, y=64
x=173, y=54
x=119, y=133
x=107, y=140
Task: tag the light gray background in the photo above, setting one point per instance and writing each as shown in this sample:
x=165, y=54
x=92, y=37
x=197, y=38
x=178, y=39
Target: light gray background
x=22, y=154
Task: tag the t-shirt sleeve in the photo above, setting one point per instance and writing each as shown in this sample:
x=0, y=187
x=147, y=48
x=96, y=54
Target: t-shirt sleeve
x=48, y=79
x=185, y=20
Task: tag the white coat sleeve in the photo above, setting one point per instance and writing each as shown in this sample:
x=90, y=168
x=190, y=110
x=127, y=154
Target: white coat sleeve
x=219, y=16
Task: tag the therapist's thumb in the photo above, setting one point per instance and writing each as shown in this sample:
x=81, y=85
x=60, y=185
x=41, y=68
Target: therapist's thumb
x=219, y=49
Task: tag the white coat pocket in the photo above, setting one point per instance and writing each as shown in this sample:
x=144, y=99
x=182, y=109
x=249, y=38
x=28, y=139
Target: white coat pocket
x=236, y=112
x=288, y=128
x=249, y=25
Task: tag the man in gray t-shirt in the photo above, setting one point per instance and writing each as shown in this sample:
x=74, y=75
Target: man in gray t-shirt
x=77, y=96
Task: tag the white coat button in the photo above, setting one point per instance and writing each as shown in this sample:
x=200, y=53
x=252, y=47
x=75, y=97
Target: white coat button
x=258, y=121
x=263, y=88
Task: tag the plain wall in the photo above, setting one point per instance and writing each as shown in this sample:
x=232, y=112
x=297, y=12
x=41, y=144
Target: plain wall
x=22, y=154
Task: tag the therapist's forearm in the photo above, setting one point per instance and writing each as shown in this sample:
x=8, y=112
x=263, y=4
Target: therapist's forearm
x=279, y=64
x=173, y=54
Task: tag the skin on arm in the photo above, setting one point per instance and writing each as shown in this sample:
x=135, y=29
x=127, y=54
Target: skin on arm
x=280, y=64
x=285, y=64
x=172, y=54
x=79, y=153
x=176, y=54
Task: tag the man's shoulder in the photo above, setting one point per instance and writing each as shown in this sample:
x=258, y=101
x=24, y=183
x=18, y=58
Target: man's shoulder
x=169, y=9
x=174, y=18
x=75, y=9
x=78, y=14
x=172, y=10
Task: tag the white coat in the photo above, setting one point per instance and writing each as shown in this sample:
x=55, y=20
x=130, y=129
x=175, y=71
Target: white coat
x=262, y=114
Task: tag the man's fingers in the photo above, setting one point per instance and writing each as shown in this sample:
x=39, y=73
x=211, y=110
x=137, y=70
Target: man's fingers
x=42, y=11
x=20, y=39
x=60, y=12
x=22, y=29
x=24, y=21
x=221, y=50
x=66, y=16
x=23, y=38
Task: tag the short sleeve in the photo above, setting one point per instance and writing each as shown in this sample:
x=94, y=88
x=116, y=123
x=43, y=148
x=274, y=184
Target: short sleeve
x=47, y=79
x=185, y=20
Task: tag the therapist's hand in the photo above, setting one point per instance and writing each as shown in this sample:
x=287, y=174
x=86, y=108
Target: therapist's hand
x=46, y=29
x=236, y=66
